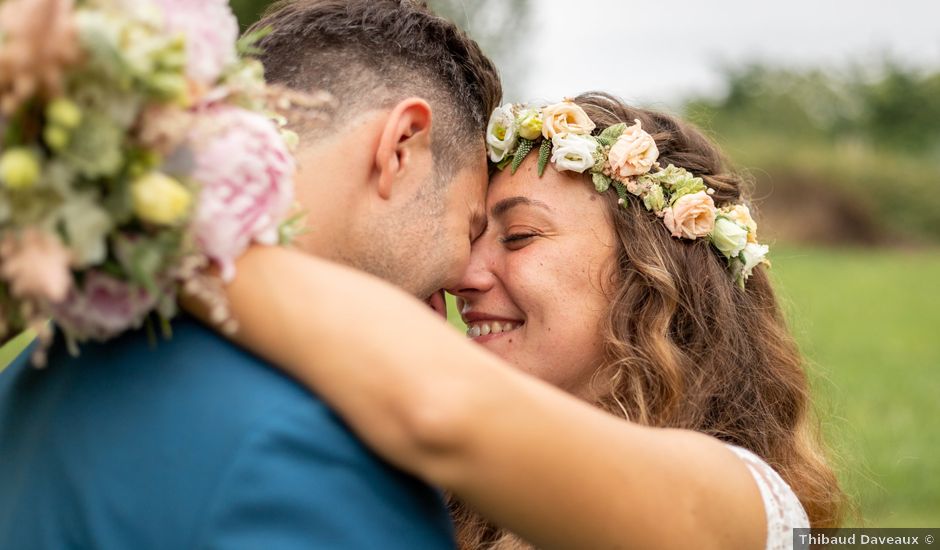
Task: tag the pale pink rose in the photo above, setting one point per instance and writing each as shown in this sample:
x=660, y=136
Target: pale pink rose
x=36, y=265
x=563, y=118
x=104, y=307
x=210, y=29
x=245, y=172
x=633, y=154
x=692, y=216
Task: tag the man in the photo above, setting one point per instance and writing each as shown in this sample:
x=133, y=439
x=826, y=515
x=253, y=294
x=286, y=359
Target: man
x=194, y=443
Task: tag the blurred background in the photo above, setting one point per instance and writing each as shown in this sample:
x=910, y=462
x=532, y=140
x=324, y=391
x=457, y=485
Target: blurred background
x=833, y=108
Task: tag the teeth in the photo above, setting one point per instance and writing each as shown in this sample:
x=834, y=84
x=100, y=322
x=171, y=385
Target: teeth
x=495, y=327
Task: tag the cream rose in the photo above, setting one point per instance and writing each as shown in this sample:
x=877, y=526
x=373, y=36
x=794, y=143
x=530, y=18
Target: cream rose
x=633, y=153
x=692, y=216
x=742, y=215
x=573, y=152
x=565, y=118
x=501, y=135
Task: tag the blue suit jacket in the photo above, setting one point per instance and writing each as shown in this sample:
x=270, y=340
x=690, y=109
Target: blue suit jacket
x=192, y=444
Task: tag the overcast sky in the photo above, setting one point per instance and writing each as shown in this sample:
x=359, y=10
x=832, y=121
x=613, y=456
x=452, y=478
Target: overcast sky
x=660, y=51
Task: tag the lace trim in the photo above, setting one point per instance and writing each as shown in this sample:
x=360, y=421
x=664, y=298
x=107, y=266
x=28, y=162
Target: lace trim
x=783, y=508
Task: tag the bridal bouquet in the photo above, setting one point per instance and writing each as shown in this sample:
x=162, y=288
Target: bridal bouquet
x=138, y=146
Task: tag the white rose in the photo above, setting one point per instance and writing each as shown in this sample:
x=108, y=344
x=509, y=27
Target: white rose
x=728, y=237
x=573, y=152
x=501, y=134
x=754, y=255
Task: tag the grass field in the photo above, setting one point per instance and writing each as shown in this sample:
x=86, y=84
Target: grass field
x=869, y=323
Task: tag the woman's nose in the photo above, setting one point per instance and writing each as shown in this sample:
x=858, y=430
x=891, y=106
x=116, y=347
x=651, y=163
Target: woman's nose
x=478, y=278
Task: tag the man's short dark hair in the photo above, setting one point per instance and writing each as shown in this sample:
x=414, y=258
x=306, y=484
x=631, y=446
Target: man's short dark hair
x=373, y=53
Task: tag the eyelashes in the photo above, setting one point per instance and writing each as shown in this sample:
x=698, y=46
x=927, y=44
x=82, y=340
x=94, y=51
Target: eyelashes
x=517, y=240
x=517, y=237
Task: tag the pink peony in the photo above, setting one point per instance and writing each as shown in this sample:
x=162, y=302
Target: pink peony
x=245, y=172
x=691, y=216
x=36, y=264
x=210, y=29
x=104, y=308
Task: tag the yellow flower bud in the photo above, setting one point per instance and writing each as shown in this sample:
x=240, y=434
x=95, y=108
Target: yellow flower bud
x=19, y=168
x=64, y=112
x=530, y=124
x=56, y=137
x=160, y=199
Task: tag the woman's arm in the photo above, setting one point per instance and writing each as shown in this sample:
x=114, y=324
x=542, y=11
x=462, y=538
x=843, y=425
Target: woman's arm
x=547, y=466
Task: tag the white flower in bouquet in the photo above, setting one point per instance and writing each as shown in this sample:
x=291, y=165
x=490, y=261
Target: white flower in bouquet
x=86, y=225
x=211, y=31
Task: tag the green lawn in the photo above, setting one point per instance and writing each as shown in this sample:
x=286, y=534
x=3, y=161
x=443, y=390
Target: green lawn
x=869, y=323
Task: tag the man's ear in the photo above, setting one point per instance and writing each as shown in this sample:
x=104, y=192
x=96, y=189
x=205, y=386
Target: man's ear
x=407, y=131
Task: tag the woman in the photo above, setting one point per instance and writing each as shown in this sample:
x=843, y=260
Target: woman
x=645, y=364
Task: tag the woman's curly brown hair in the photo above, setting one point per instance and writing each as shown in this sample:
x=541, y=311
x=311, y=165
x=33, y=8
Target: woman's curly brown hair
x=685, y=347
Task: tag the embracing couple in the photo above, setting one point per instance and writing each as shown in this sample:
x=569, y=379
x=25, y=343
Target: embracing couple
x=627, y=379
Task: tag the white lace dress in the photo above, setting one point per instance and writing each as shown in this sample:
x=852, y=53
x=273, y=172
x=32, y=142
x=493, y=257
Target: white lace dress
x=784, y=511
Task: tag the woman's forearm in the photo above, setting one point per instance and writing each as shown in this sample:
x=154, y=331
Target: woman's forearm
x=550, y=467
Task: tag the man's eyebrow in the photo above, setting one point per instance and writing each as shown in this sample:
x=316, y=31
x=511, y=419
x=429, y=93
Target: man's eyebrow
x=508, y=204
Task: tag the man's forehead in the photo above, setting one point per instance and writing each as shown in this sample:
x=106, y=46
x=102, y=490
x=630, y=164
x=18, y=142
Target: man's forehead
x=473, y=179
x=469, y=194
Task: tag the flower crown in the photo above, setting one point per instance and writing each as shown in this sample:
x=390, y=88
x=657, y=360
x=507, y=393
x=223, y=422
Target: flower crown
x=624, y=158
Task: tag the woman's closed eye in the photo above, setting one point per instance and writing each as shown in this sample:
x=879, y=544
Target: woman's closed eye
x=515, y=241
